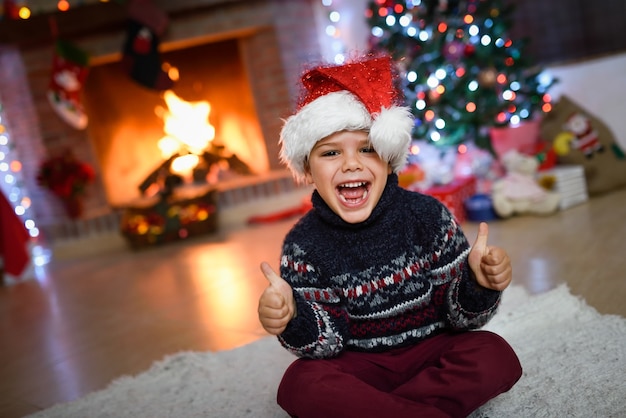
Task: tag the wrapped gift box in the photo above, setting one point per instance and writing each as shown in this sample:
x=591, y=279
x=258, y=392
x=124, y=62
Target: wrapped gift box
x=454, y=194
x=569, y=183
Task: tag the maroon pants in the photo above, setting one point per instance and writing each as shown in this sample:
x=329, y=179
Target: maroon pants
x=449, y=375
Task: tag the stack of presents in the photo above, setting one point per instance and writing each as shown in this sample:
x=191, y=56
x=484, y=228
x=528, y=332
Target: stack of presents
x=536, y=168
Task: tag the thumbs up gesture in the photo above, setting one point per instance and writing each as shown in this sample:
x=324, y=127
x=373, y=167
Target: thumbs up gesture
x=276, y=305
x=491, y=265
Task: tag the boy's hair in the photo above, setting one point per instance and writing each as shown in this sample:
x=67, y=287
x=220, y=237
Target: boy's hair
x=360, y=95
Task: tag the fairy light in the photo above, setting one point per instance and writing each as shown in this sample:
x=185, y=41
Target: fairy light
x=11, y=181
x=405, y=21
x=333, y=23
x=63, y=5
x=27, y=9
x=24, y=12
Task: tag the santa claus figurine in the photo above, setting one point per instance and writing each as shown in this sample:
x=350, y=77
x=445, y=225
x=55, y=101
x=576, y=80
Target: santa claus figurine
x=585, y=137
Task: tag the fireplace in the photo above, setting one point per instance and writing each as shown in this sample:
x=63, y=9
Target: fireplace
x=127, y=121
x=258, y=49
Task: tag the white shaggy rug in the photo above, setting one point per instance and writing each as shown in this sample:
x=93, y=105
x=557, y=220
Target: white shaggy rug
x=574, y=362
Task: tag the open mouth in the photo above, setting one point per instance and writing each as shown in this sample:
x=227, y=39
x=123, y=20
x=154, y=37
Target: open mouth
x=354, y=192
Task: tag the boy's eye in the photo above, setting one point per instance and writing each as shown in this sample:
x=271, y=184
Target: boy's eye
x=329, y=153
x=368, y=149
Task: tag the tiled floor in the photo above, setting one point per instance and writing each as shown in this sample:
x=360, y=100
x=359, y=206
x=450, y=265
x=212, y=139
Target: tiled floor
x=90, y=319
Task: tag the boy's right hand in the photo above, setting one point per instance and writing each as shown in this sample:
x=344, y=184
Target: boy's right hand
x=276, y=305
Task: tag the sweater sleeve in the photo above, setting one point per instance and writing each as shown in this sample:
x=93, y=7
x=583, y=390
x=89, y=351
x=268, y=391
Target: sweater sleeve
x=320, y=327
x=469, y=305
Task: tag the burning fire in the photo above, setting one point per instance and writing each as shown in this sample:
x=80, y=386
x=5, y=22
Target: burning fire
x=188, y=132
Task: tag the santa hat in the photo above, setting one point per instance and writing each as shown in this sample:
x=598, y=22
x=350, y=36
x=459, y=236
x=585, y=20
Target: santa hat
x=350, y=97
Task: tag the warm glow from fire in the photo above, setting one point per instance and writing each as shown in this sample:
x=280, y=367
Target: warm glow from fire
x=183, y=165
x=188, y=131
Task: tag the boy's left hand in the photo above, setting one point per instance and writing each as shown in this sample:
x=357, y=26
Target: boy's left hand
x=491, y=265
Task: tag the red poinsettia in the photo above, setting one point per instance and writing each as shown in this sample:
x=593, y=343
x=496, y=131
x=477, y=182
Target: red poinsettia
x=65, y=175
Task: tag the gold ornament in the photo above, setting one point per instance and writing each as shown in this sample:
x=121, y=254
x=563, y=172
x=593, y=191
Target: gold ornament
x=487, y=77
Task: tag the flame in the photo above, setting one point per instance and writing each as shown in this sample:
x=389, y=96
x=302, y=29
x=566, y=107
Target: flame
x=188, y=131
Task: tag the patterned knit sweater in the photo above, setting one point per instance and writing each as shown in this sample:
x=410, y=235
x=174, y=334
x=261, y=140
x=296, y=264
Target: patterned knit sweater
x=390, y=281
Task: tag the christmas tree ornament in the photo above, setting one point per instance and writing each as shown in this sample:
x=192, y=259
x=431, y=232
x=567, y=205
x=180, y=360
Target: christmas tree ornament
x=69, y=72
x=433, y=97
x=141, y=59
x=469, y=51
x=453, y=50
x=487, y=77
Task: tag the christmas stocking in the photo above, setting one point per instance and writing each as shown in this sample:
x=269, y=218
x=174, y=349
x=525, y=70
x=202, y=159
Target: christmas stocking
x=141, y=58
x=69, y=71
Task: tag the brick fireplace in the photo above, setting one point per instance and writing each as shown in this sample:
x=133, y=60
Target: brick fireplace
x=270, y=39
x=127, y=140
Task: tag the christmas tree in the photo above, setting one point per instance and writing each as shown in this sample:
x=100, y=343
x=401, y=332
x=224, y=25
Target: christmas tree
x=462, y=72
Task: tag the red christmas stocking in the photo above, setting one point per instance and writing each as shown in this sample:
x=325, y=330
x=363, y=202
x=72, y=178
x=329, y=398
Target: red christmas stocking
x=141, y=58
x=69, y=71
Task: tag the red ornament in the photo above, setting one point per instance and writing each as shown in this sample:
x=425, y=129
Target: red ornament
x=469, y=51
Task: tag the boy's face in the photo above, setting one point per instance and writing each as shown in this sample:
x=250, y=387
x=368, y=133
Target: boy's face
x=348, y=174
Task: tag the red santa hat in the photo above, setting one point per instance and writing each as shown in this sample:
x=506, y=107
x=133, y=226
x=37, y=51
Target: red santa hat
x=350, y=97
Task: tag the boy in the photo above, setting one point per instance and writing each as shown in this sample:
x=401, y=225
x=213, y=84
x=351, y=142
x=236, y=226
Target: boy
x=378, y=286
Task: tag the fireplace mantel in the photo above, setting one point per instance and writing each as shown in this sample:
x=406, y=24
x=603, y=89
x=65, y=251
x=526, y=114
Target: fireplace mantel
x=88, y=20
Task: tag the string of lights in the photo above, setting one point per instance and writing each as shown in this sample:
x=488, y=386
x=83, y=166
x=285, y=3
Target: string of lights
x=11, y=180
x=25, y=9
x=462, y=71
x=333, y=32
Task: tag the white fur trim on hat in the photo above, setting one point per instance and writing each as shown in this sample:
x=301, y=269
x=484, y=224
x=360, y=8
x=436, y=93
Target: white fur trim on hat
x=391, y=135
x=389, y=131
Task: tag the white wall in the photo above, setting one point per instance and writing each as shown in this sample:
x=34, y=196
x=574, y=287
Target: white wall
x=599, y=86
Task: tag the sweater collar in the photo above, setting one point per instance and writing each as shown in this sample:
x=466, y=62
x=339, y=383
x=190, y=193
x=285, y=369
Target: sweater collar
x=324, y=211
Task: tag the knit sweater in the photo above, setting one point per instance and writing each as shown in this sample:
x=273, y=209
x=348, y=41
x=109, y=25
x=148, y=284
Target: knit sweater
x=393, y=280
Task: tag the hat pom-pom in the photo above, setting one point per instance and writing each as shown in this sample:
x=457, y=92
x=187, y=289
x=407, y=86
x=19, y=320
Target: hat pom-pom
x=390, y=134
